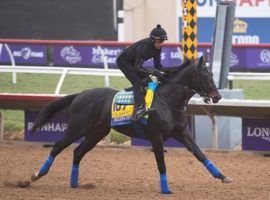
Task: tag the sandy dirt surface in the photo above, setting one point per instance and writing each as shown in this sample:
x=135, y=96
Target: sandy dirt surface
x=130, y=173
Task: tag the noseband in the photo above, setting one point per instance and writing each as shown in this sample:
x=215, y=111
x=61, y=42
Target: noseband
x=201, y=90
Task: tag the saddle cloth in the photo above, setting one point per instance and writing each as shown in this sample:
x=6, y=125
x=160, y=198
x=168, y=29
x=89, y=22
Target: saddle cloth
x=124, y=97
x=123, y=105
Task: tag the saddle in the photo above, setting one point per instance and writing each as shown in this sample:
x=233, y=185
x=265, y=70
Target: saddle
x=123, y=105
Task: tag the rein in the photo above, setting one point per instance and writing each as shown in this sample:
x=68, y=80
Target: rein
x=186, y=90
x=178, y=85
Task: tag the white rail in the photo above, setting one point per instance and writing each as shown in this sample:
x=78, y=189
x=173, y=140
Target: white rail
x=248, y=76
x=63, y=71
x=108, y=72
x=60, y=70
x=112, y=72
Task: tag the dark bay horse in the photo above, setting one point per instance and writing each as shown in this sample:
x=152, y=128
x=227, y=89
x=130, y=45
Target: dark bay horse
x=89, y=116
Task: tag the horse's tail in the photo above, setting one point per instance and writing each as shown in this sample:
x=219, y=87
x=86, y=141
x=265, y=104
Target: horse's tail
x=49, y=110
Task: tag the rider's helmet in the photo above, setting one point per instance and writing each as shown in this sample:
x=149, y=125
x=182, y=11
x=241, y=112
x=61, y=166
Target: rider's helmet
x=159, y=34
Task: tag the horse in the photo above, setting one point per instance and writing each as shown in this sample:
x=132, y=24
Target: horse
x=89, y=116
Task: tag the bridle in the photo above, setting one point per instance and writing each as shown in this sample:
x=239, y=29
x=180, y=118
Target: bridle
x=201, y=89
x=187, y=92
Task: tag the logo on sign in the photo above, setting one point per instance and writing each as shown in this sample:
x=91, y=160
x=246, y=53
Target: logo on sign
x=259, y=132
x=50, y=127
x=234, y=60
x=265, y=56
x=176, y=55
x=27, y=53
x=110, y=54
x=240, y=26
x=71, y=55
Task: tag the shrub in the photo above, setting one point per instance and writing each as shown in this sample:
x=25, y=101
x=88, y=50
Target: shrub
x=13, y=126
x=118, y=137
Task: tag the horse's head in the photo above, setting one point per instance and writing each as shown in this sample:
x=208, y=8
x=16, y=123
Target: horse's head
x=201, y=80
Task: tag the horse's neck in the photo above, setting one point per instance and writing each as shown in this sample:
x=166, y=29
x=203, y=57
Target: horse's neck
x=177, y=94
x=173, y=95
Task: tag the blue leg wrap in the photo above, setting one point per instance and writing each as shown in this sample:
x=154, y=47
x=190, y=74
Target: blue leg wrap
x=46, y=166
x=211, y=168
x=164, y=185
x=74, y=176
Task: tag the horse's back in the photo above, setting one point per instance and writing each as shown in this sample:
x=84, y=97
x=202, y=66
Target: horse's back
x=93, y=104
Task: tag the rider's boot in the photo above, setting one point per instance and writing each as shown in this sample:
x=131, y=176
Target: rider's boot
x=140, y=111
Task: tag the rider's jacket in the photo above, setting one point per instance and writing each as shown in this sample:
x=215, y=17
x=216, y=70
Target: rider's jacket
x=141, y=51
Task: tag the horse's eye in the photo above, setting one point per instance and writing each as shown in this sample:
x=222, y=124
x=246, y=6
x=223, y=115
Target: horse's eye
x=207, y=68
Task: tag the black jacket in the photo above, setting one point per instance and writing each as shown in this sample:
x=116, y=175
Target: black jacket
x=139, y=52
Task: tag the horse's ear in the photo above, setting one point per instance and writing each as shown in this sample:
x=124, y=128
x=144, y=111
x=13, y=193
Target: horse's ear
x=201, y=61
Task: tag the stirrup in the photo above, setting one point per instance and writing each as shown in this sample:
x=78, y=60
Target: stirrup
x=136, y=117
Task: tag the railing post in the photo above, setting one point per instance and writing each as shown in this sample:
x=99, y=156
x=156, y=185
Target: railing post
x=214, y=128
x=61, y=81
x=1, y=126
x=230, y=84
x=12, y=60
x=107, y=84
x=214, y=132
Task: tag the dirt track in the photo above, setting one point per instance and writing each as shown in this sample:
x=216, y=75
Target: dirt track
x=130, y=174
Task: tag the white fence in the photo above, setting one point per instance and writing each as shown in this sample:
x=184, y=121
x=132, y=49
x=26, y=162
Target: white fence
x=63, y=71
x=106, y=73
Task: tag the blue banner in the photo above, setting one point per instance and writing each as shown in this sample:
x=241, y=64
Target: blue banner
x=53, y=131
x=242, y=58
x=245, y=30
x=25, y=54
x=256, y=134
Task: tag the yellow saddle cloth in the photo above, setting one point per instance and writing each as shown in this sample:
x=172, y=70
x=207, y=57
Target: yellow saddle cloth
x=123, y=106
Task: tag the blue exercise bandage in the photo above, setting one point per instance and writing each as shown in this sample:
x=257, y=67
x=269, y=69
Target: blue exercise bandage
x=74, y=176
x=152, y=86
x=211, y=168
x=46, y=166
x=163, y=184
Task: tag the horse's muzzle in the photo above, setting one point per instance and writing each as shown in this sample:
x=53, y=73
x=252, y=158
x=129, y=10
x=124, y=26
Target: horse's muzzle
x=215, y=96
x=216, y=99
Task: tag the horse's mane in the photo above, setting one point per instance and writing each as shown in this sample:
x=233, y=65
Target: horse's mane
x=178, y=72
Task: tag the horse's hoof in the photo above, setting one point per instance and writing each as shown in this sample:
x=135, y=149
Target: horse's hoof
x=35, y=177
x=226, y=179
x=166, y=192
x=74, y=185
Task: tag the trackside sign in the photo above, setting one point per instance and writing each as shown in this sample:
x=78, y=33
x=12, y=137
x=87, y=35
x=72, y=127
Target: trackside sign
x=256, y=134
x=53, y=131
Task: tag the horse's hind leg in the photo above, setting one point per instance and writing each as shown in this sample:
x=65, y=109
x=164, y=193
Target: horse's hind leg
x=89, y=143
x=57, y=148
x=187, y=140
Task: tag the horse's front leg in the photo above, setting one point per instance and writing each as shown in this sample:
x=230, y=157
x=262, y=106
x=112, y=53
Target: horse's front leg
x=157, y=144
x=187, y=140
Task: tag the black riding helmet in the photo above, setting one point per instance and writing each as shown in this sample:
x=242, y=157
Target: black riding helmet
x=158, y=33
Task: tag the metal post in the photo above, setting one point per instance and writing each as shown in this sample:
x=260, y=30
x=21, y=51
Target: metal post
x=222, y=43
